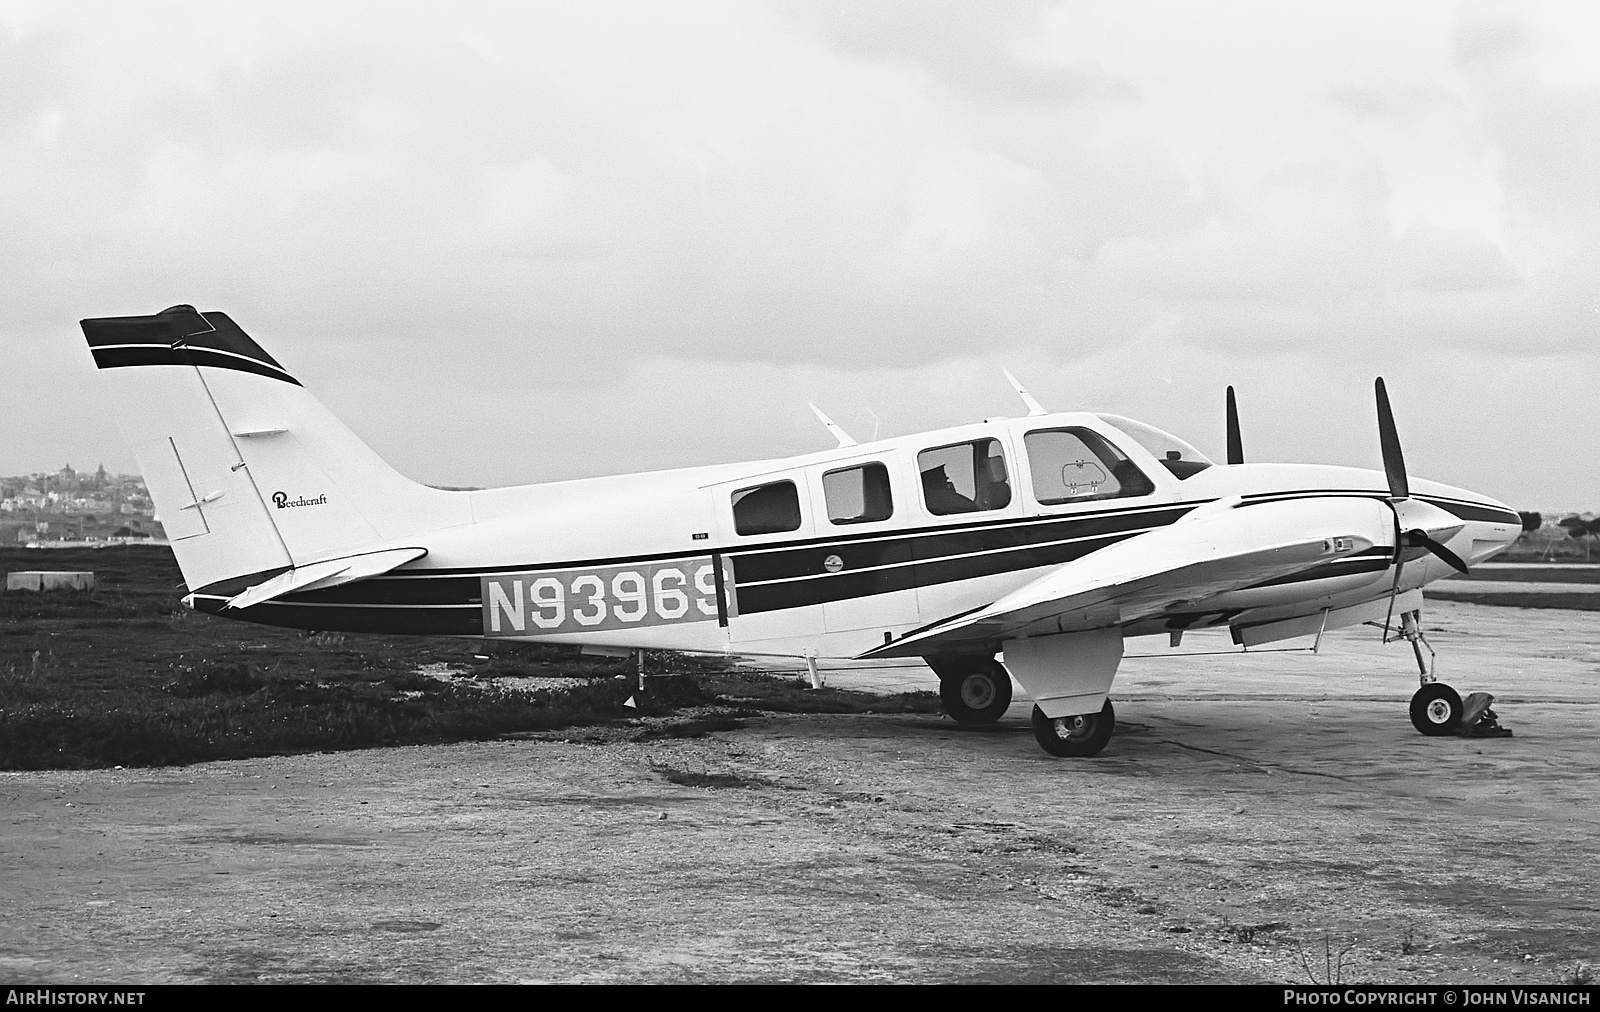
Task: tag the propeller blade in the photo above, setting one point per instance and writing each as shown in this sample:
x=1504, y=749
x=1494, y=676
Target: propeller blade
x=1394, y=464
x=1235, y=443
x=1420, y=539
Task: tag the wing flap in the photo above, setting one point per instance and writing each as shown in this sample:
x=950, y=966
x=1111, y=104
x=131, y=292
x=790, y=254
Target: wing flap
x=1222, y=547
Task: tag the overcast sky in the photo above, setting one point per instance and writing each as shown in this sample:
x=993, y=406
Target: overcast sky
x=516, y=242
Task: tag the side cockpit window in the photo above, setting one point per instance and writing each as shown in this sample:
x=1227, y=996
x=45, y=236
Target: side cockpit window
x=858, y=495
x=1183, y=460
x=1074, y=465
x=767, y=509
x=964, y=478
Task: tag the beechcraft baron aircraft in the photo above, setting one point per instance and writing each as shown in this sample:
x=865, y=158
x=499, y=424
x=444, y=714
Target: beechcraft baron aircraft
x=1046, y=540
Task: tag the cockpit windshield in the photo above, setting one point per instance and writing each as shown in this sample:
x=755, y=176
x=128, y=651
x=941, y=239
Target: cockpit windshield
x=1175, y=455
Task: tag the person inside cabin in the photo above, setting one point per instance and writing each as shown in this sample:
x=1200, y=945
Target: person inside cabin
x=941, y=495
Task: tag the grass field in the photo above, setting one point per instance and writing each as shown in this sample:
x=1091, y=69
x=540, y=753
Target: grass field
x=124, y=675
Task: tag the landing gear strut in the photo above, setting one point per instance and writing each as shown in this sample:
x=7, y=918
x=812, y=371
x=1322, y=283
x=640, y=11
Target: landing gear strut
x=1436, y=708
x=975, y=690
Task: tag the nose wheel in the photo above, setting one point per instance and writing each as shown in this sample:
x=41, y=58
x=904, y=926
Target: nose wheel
x=1436, y=710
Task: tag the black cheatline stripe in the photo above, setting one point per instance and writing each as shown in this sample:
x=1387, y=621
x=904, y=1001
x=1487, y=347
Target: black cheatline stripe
x=886, y=547
x=478, y=572
x=1476, y=511
x=458, y=590
x=338, y=604
x=418, y=621
x=1464, y=509
x=842, y=587
x=1306, y=493
x=798, y=593
x=786, y=564
x=440, y=593
x=737, y=551
x=467, y=590
x=401, y=588
x=116, y=358
x=924, y=546
x=1352, y=566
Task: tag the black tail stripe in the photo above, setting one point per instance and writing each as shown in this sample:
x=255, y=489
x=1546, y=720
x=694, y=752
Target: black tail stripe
x=116, y=358
x=230, y=338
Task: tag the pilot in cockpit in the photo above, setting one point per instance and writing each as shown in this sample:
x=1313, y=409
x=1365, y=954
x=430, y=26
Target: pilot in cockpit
x=941, y=495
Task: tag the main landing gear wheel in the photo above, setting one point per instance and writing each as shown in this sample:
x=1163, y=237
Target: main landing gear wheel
x=1081, y=736
x=979, y=695
x=1436, y=710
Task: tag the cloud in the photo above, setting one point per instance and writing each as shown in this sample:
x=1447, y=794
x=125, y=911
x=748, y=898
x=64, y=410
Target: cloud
x=541, y=201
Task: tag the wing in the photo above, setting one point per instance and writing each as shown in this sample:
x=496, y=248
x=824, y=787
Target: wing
x=1221, y=547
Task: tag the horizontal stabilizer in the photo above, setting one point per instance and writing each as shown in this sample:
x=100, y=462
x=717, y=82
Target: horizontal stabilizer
x=329, y=573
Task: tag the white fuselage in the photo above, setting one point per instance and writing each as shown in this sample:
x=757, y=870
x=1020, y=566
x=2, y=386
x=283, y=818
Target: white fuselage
x=659, y=559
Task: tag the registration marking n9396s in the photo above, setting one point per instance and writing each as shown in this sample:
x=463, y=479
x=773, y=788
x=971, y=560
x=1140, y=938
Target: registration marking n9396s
x=599, y=598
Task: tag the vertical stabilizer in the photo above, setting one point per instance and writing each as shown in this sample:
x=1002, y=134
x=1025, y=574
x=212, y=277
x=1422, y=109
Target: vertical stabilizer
x=250, y=474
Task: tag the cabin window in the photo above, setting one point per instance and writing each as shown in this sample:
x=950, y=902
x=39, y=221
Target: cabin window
x=964, y=477
x=1074, y=465
x=767, y=509
x=858, y=495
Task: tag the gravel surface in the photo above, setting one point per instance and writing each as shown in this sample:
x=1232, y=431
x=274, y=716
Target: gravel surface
x=1252, y=819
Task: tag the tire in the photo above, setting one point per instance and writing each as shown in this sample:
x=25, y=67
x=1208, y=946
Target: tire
x=1080, y=736
x=978, y=695
x=1436, y=710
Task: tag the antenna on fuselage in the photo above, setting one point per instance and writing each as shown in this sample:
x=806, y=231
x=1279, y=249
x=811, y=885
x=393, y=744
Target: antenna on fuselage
x=1034, y=407
x=842, y=436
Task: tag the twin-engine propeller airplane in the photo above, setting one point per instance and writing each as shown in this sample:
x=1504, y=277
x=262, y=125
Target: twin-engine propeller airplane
x=1047, y=539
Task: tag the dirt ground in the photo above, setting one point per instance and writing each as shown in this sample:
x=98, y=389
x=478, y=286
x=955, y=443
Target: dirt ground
x=1253, y=817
